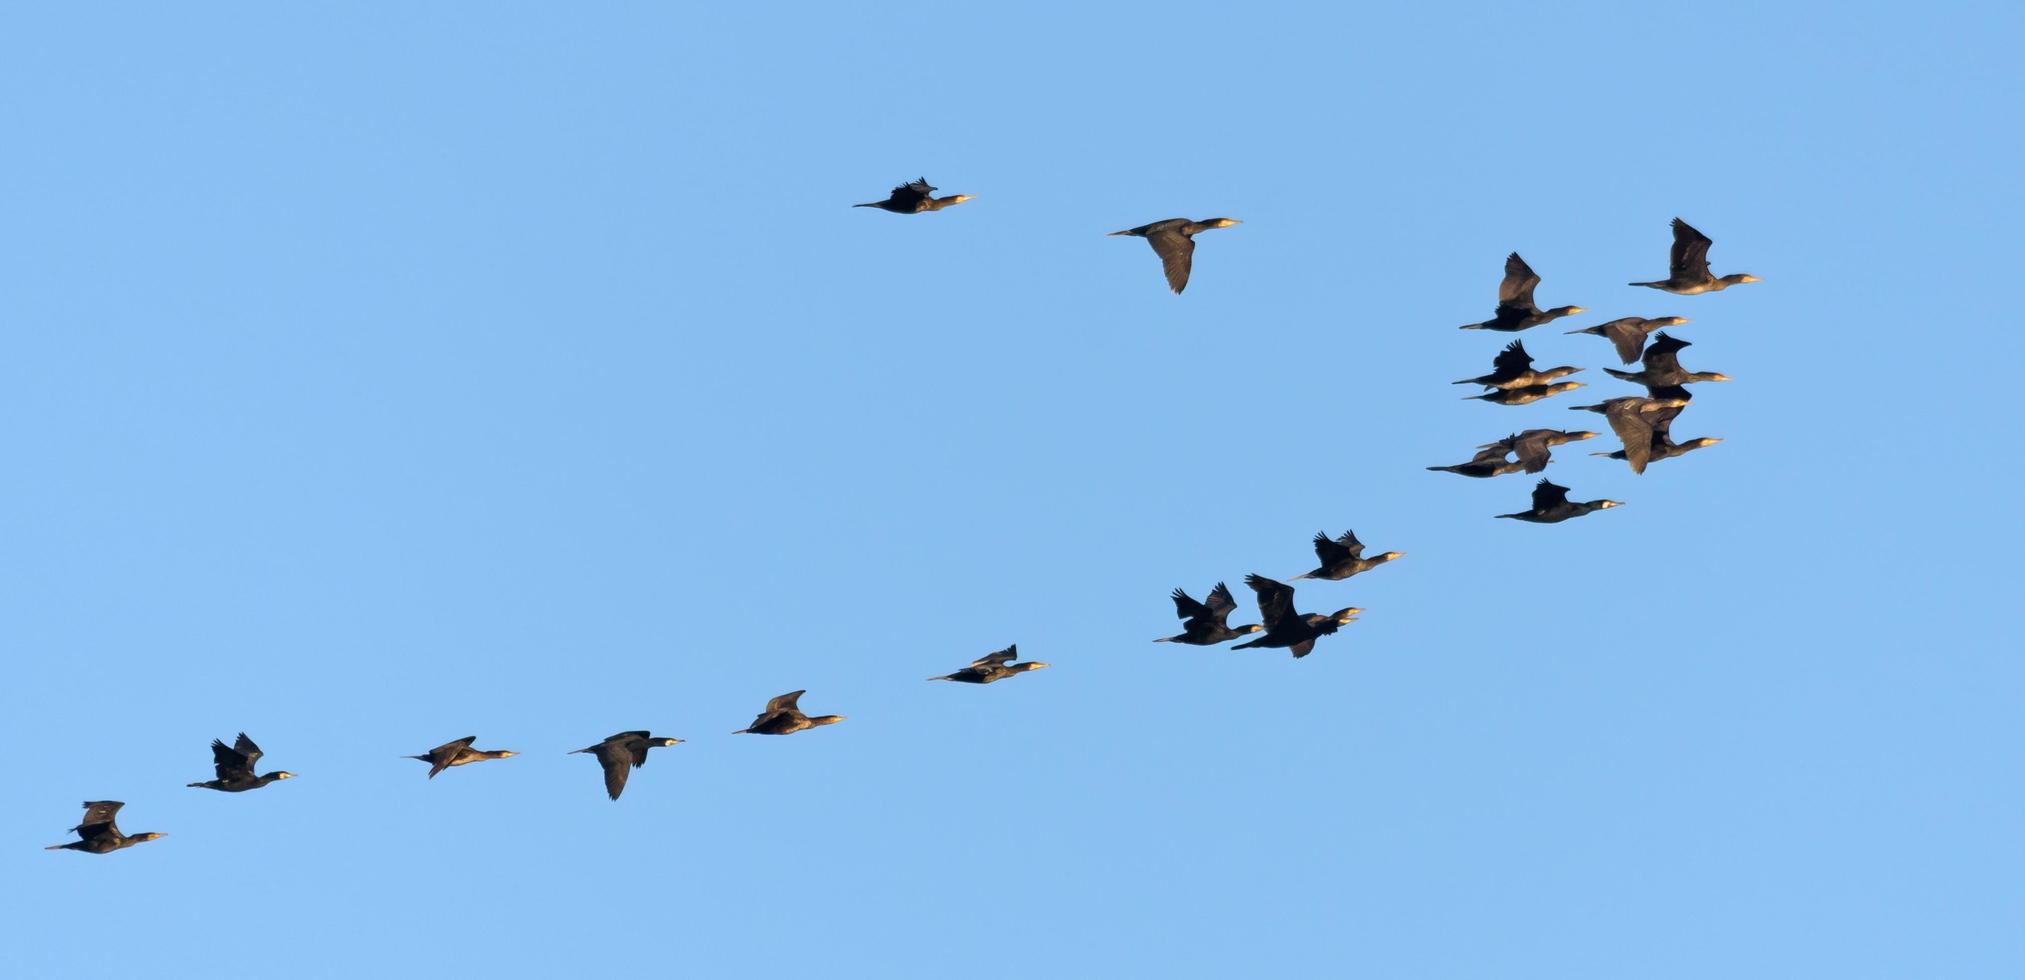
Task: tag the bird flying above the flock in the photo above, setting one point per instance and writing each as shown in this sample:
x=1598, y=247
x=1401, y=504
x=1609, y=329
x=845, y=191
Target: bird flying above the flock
x=621, y=754
x=1688, y=265
x=235, y=767
x=1551, y=505
x=1516, y=309
x=98, y=834
x=783, y=716
x=1206, y=623
x=914, y=198
x=992, y=667
x=1287, y=629
x=1174, y=241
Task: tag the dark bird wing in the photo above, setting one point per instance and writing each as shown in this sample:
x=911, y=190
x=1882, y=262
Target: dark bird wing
x=441, y=756
x=1512, y=360
x=1661, y=420
x=1005, y=656
x=98, y=819
x=1493, y=453
x=617, y=761
x=1629, y=421
x=1351, y=545
x=1627, y=338
x=1690, y=257
x=1176, y=252
x=1663, y=356
x=1276, y=601
x=1517, y=289
x=233, y=761
x=910, y=194
x=1221, y=602
x=1549, y=495
x=1188, y=610
x=1531, y=451
x=786, y=702
x=1329, y=552
x=1302, y=648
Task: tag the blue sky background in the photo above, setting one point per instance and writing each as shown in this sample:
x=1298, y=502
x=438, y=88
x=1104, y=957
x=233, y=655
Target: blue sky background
x=373, y=378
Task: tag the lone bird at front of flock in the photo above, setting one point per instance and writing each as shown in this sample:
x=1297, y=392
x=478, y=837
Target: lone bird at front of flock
x=235, y=767
x=621, y=754
x=1516, y=309
x=1688, y=266
x=98, y=834
x=992, y=667
x=1174, y=241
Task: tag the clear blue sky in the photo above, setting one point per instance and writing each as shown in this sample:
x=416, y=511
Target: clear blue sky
x=374, y=379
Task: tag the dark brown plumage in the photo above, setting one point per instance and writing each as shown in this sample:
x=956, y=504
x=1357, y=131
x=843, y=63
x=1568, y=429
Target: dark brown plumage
x=1552, y=506
x=913, y=198
x=1631, y=419
x=1174, y=241
x=98, y=834
x=992, y=667
x=621, y=754
x=1628, y=333
x=235, y=767
x=459, y=753
x=1688, y=265
x=1662, y=445
x=1516, y=309
x=1488, y=462
x=1662, y=370
x=1525, y=395
x=1205, y=623
x=783, y=716
x=1343, y=557
x=1287, y=629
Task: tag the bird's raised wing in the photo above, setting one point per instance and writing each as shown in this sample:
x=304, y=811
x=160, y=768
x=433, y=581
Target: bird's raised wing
x=1549, y=495
x=1221, y=602
x=1327, y=551
x=1177, y=252
x=1690, y=256
x=786, y=702
x=1350, y=545
x=230, y=762
x=98, y=819
x=1187, y=609
x=1512, y=360
x=1276, y=601
x=1517, y=287
x=1005, y=656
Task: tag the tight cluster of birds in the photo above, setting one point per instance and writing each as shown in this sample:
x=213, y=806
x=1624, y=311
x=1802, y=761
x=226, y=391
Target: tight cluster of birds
x=1642, y=424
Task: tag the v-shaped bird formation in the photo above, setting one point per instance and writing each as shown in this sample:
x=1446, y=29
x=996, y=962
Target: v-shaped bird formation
x=1642, y=424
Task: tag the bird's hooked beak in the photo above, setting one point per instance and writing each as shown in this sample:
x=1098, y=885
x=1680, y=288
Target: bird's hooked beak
x=284, y=774
x=671, y=741
x=1718, y=376
x=1227, y=222
x=1607, y=504
x=508, y=755
x=960, y=198
x=1672, y=321
x=1577, y=309
x=1348, y=616
x=1037, y=665
x=1750, y=278
x=1579, y=436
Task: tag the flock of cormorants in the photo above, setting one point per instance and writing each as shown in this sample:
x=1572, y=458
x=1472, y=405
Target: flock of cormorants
x=1642, y=424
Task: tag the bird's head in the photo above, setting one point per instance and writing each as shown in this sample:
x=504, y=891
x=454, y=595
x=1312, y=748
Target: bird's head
x=1702, y=443
x=1606, y=504
x=506, y=755
x=1670, y=321
x=960, y=198
x=1712, y=376
x=1741, y=277
x=1391, y=555
x=284, y=774
x=1561, y=386
x=150, y=835
x=1346, y=615
x=667, y=741
x=1030, y=665
x=1222, y=222
x=1579, y=436
x=1569, y=310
